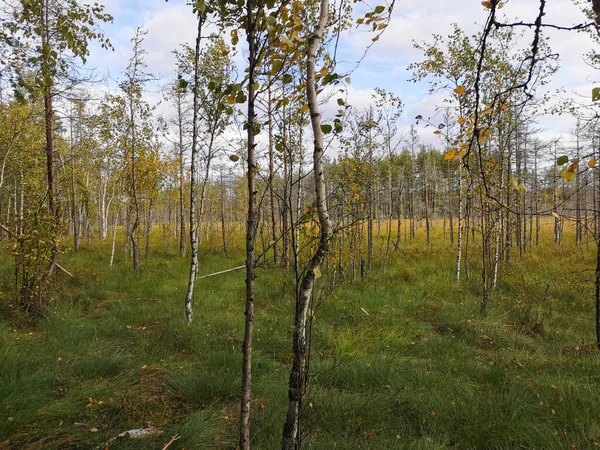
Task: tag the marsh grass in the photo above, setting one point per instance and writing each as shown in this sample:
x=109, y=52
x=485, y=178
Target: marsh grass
x=423, y=368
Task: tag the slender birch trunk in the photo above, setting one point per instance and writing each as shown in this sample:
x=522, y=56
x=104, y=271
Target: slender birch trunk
x=182, y=243
x=460, y=223
x=271, y=181
x=299, y=372
x=193, y=226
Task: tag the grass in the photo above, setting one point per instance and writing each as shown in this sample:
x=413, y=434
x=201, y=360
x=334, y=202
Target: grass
x=421, y=369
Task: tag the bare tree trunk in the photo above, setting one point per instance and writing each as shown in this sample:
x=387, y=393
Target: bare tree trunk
x=134, y=199
x=104, y=208
x=271, y=181
x=21, y=213
x=223, y=228
x=508, y=225
x=518, y=200
x=299, y=373
x=182, y=243
x=74, y=217
x=554, y=203
x=114, y=238
x=426, y=195
x=370, y=200
x=193, y=225
x=537, y=198
x=148, y=231
x=287, y=204
x=460, y=223
x=578, y=223
x=251, y=224
x=390, y=213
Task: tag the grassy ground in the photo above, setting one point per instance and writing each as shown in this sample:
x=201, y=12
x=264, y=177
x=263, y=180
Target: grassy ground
x=423, y=370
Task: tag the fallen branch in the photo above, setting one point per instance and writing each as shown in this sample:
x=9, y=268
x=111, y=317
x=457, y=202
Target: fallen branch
x=56, y=263
x=222, y=271
x=173, y=439
x=137, y=433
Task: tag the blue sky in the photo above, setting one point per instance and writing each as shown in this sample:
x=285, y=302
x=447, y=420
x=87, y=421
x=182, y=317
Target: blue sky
x=170, y=24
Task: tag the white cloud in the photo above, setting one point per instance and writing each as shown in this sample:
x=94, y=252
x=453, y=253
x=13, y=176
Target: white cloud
x=170, y=24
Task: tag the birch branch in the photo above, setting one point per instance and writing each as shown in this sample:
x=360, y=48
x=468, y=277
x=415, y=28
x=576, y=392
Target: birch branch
x=222, y=271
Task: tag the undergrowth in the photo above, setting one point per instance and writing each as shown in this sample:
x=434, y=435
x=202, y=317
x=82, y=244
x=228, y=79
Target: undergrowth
x=401, y=360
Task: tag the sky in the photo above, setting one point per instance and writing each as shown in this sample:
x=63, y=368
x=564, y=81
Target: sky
x=172, y=23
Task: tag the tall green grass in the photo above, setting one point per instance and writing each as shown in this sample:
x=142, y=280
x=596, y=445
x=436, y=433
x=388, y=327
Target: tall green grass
x=402, y=360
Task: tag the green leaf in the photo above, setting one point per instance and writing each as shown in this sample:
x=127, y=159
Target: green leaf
x=287, y=78
x=182, y=84
x=379, y=9
x=276, y=66
x=562, y=160
x=596, y=94
x=340, y=101
x=419, y=117
x=326, y=128
x=241, y=97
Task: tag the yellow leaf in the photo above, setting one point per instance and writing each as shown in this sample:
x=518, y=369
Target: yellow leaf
x=286, y=40
x=461, y=121
x=144, y=366
x=487, y=4
x=500, y=5
x=569, y=175
x=437, y=132
x=324, y=71
x=317, y=272
x=231, y=99
x=450, y=154
x=592, y=163
x=461, y=154
x=460, y=90
x=484, y=133
x=234, y=158
x=304, y=108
